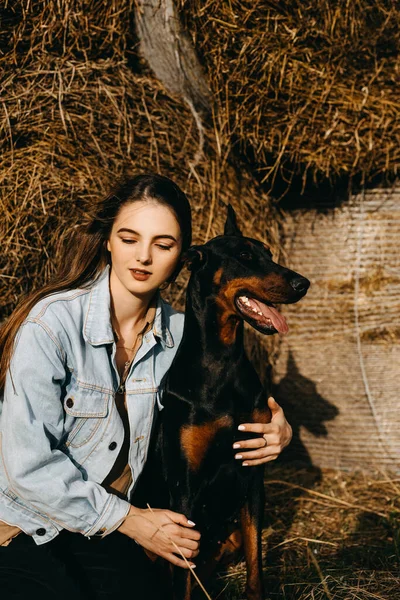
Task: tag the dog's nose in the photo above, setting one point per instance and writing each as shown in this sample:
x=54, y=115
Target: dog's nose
x=300, y=284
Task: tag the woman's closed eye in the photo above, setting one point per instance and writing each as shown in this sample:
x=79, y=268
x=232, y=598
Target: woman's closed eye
x=128, y=240
x=133, y=241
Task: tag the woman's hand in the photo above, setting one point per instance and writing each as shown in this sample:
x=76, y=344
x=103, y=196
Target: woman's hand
x=274, y=437
x=157, y=530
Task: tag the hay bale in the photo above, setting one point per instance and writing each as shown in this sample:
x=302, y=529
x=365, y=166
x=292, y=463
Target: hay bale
x=338, y=368
x=68, y=29
x=306, y=87
x=73, y=124
x=328, y=536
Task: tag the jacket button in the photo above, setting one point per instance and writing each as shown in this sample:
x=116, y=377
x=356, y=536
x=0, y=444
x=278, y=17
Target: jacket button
x=69, y=403
x=112, y=446
x=41, y=531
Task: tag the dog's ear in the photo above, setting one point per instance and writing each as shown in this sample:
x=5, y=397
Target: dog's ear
x=231, y=226
x=195, y=257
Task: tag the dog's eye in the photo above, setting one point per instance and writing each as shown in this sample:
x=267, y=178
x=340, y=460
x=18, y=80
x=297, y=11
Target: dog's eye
x=246, y=255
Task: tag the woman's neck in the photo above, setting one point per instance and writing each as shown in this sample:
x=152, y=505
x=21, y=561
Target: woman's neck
x=127, y=310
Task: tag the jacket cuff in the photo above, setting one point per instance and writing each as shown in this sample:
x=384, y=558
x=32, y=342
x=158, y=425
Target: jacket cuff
x=111, y=518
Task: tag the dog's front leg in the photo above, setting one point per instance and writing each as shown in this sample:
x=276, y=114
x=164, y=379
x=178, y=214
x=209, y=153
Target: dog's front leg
x=182, y=584
x=181, y=578
x=251, y=517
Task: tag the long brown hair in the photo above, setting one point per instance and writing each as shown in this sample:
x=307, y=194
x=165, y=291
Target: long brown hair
x=86, y=256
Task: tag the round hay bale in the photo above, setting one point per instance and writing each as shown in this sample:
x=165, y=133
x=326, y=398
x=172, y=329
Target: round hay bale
x=73, y=124
x=338, y=368
x=70, y=132
x=68, y=29
x=305, y=86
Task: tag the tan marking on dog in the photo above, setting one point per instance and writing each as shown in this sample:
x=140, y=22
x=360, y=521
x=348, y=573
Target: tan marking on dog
x=250, y=544
x=261, y=415
x=195, y=439
x=217, y=277
x=227, y=332
x=225, y=554
x=273, y=288
x=230, y=547
x=227, y=320
x=188, y=587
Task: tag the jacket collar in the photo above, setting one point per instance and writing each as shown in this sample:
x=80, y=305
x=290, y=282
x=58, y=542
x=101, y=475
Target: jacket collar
x=97, y=329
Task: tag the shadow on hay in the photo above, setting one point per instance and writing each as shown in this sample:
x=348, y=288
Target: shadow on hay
x=305, y=408
x=293, y=188
x=373, y=545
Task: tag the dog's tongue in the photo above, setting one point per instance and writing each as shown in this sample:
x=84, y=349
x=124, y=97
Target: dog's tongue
x=278, y=320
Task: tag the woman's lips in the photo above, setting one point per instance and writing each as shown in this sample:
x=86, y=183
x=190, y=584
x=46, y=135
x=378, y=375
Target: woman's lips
x=139, y=275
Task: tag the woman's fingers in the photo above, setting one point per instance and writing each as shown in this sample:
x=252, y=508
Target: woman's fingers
x=178, y=538
x=190, y=534
x=260, y=442
x=178, y=562
x=164, y=533
x=181, y=547
x=187, y=553
x=255, y=427
x=265, y=452
x=264, y=448
x=178, y=518
x=189, y=543
x=273, y=438
x=260, y=461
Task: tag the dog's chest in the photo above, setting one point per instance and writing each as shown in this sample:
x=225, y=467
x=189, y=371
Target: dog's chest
x=211, y=437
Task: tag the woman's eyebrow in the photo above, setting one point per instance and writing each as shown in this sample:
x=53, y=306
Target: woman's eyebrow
x=156, y=237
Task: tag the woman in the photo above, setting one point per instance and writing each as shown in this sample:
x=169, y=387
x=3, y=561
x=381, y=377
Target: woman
x=82, y=362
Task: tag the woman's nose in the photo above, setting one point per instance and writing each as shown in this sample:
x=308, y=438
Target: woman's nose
x=143, y=254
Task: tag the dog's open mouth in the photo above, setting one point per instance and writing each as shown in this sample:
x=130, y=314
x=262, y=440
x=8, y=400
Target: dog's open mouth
x=263, y=317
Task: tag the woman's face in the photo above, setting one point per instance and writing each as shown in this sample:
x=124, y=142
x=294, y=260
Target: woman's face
x=145, y=246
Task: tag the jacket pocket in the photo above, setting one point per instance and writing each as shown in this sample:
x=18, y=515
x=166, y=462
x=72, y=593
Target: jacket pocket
x=86, y=410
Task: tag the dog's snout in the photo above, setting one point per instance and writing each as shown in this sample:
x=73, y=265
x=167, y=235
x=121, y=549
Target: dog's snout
x=300, y=284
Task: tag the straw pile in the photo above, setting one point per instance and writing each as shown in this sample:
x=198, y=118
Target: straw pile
x=328, y=536
x=76, y=116
x=304, y=86
x=337, y=371
x=67, y=29
x=309, y=90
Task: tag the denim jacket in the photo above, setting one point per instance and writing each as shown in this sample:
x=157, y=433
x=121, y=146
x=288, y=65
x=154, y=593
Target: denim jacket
x=59, y=426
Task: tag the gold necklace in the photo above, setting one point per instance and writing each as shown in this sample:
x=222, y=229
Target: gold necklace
x=126, y=348
x=118, y=337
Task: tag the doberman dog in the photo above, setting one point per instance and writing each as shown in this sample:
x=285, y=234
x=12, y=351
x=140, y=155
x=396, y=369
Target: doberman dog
x=211, y=388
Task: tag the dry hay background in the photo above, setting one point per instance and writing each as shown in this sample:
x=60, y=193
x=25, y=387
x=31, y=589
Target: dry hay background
x=309, y=89
x=304, y=86
x=335, y=537
x=76, y=115
x=79, y=110
x=337, y=370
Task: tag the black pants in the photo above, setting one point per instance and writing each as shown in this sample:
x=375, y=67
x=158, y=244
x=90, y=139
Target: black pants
x=74, y=567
